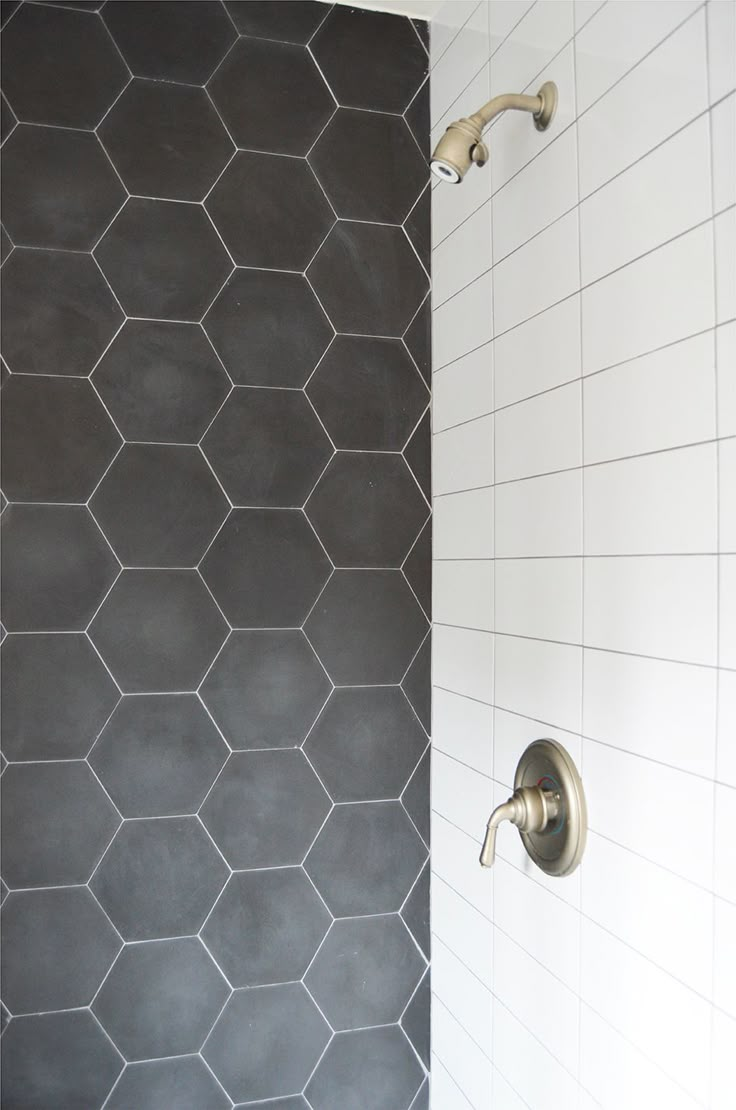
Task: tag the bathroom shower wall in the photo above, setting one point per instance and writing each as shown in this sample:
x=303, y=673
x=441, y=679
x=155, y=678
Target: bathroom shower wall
x=584, y=418
x=216, y=557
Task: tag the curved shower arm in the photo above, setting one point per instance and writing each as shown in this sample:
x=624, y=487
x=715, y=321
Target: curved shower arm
x=515, y=101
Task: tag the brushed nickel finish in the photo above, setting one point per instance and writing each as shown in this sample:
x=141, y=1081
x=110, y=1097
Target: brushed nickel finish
x=548, y=808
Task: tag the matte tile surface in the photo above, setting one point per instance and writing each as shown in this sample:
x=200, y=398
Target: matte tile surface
x=171, y=40
x=292, y=21
x=415, y=911
x=415, y=1021
x=373, y=1069
x=184, y=1082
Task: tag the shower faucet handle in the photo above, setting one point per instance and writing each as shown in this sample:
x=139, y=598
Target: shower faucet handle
x=530, y=808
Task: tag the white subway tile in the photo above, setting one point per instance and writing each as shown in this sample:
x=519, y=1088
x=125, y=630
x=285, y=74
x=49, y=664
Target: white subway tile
x=513, y=733
x=528, y=1067
x=531, y=45
x=723, y=129
x=727, y=616
x=461, y=60
x=444, y=1090
x=503, y=16
x=664, y=917
x=462, y=525
x=725, y=248
x=539, y=679
x=665, y=296
x=462, y=994
x=619, y=1075
x=541, y=598
x=661, y=94
x=463, y=256
x=585, y=10
x=640, y=805
x=467, y=1063
x=724, y=967
x=724, y=1054
x=540, y=435
x=640, y=209
x=519, y=907
x=664, y=1019
x=504, y=1095
x=462, y=593
x=464, y=930
x=652, y=504
x=463, y=729
x=475, y=93
x=724, y=881
x=460, y=794
x=663, y=399
x=721, y=49
x=539, y=354
x=445, y=24
x=455, y=860
x=726, y=768
x=540, y=516
x=462, y=457
x=662, y=605
x=543, y=191
x=463, y=323
x=547, y=1008
x=661, y=710
x=618, y=38
x=726, y=360
x=463, y=390
x=727, y=495
x=521, y=283
x=462, y=661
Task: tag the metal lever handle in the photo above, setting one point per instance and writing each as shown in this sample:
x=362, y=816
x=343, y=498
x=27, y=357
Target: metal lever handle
x=530, y=808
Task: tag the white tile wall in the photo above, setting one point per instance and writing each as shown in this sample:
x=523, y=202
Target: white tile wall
x=585, y=554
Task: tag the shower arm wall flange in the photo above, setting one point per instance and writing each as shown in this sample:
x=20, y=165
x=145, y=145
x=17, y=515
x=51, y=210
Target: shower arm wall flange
x=542, y=107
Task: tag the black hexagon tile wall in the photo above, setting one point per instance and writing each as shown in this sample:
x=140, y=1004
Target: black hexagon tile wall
x=216, y=556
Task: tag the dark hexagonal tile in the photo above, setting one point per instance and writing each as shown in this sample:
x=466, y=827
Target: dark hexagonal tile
x=366, y=627
x=294, y=102
x=366, y=509
x=158, y=630
x=418, y=568
x=417, y=684
x=415, y=798
x=58, y=312
x=159, y=505
x=418, y=227
x=59, y=189
x=265, y=568
x=421, y=1100
x=369, y=165
x=294, y=1103
x=56, y=823
x=161, y=382
x=265, y=689
x=6, y=247
x=166, y=140
x=159, y=878
x=383, y=839
x=418, y=454
x=370, y=59
x=57, y=439
x=163, y=258
x=291, y=21
x=365, y=744
x=60, y=67
x=415, y=1020
x=365, y=972
x=268, y=328
x=58, y=946
x=265, y=809
x=368, y=393
x=60, y=717
x=184, y=1082
x=57, y=568
x=171, y=40
x=158, y=755
x=266, y=1042
x=161, y=998
x=267, y=447
x=372, y=1069
x=418, y=118
x=7, y=119
x=266, y=926
x=368, y=278
x=418, y=339
x=60, y=1060
x=270, y=212
x=415, y=911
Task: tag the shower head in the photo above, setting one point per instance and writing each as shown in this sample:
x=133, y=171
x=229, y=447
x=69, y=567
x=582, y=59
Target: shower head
x=462, y=143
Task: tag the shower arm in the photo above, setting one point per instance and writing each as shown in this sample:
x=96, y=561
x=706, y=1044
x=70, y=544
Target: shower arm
x=542, y=108
x=516, y=101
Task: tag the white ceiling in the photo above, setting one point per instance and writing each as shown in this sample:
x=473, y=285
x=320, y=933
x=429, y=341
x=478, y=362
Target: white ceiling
x=421, y=9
